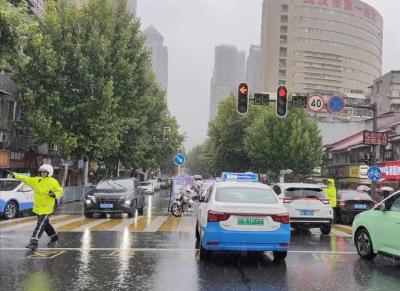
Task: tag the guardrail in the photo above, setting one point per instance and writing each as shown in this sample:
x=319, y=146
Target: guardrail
x=76, y=193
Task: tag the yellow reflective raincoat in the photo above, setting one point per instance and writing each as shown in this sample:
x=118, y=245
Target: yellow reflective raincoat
x=330, y=191
x=42, y=186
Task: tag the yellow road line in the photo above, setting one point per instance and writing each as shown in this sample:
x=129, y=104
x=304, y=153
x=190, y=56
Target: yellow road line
x=106, y=225
x=141, y=224
x=342, y=229
x=73, y=225
x=20, y=221
x=54, y=220
x=171, y=224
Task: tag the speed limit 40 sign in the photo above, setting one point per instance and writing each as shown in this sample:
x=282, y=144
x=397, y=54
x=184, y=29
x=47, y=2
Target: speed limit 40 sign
x=315, y=103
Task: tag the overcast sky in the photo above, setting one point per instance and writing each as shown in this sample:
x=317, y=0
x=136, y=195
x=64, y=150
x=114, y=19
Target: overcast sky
x=191, y=30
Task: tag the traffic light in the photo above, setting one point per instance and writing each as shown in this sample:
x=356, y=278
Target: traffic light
x=243, y=99
x=281, y=101
x=367, y=159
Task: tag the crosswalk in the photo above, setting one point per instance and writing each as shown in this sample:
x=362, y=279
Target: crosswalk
x=148, y=223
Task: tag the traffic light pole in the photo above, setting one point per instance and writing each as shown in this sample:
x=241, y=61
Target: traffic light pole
x=374, y=109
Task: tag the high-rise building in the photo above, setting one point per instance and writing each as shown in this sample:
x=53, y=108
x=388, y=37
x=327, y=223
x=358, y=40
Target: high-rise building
x=385, y=92
x=159, y=55
x=324, y=46
x=253, y=69
x=229, y=71
x=131, y=5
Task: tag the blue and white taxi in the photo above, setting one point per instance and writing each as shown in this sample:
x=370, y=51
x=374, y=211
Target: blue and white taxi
x=15, y=198
x=240, y=214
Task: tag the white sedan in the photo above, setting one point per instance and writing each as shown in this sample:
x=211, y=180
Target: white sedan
x=15, y=198
x=307, y=204
x=242, y=216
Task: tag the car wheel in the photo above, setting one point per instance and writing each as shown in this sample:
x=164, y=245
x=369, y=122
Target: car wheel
x=197, y=231
x=279, y=256
x=326, y=229
x=88, y=214
x=11, y=210
x=364, y=244
x=203, y=253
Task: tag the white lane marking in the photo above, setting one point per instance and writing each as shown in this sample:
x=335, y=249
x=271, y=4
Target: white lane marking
x=158, y=250
x=186, y=224
x=24, y=226
x=155, y=224
x=124, y=224
x=89, y=225
x=62, y=223
x=15, y=220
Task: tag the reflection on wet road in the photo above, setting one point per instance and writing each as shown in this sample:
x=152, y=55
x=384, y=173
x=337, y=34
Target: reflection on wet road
x=158, y=252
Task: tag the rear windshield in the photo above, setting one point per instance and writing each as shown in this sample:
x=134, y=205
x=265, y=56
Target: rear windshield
x=8, y=185
x=245, y=195
x=354, y=195
x=304, y=192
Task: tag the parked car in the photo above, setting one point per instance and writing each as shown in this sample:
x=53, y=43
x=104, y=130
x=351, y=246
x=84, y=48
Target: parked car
x=115, y=196
x=15, y=198
x=147, y=187
x=350, y=203
x=377, y=231
x=163, y=183
x=307, y=204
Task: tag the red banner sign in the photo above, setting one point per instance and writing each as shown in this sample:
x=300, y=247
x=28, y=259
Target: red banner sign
x=390, y=170
x=375, y=138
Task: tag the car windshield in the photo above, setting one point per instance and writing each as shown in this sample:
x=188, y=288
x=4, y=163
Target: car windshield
x=114, y=185
x=144, y=183
x=296, y=192
x=354, y=195
x=246, y=195
x=8, y=185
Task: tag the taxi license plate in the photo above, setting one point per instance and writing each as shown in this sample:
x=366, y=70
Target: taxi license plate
x=360, y=206
x=306, y=213
x=106, y=206
x=250, y=221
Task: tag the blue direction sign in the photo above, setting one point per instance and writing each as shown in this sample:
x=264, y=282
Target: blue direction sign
x=242, y=177
x=336, y=104
x=374, y=173
x=179, y=159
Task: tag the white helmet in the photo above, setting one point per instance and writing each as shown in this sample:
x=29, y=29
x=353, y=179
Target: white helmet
x=47, y=168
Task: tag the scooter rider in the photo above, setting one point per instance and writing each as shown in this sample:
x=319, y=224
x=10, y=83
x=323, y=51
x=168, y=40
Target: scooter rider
x=46, y=190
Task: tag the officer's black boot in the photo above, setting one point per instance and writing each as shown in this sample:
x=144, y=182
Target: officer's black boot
x=33, y=244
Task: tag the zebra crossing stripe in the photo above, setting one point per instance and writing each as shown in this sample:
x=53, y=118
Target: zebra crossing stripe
x=91, y=224
x=8, y=223
x=141, y=224
x=107, y=225
x=73, y=225
x=156, y=224
x=171, y=224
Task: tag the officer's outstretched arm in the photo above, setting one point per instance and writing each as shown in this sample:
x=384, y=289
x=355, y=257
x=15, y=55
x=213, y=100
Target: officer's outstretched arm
x=30, y=181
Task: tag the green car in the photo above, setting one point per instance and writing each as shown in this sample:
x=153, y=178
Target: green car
x=378, y=230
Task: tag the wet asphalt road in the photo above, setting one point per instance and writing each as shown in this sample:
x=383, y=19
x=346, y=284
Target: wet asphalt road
x=125, y=260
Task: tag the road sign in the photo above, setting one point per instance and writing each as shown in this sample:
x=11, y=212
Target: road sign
x=261, y=99
x=179, y=159
x=375, y=138
x=315, y=103
x=242, y=177
x=336, y=104
x=299, y=101
x=374, y=173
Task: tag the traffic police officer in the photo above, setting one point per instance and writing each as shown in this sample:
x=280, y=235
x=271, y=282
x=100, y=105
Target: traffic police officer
x=46, y=190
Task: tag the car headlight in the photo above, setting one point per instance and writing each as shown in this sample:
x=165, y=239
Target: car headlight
x=127, y=202
x=88, y=201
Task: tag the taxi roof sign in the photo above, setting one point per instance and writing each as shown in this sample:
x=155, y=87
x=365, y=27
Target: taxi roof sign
x=240, y=177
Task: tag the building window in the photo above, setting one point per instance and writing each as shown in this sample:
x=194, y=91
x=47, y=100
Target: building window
x=282, y=64
x=283, y=52
x=284, y=19
x=282, y=83
x=11, y=110
x=282, y=74
x=285, y=8
x=283, y=39
x=284, y=29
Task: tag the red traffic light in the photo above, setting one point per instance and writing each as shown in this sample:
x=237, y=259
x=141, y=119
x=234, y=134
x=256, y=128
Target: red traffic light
x=282, y=91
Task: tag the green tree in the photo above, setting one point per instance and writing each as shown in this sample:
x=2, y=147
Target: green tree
x=293, y=142
x=227, y=132
x=200, y=161
x=15, y=27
